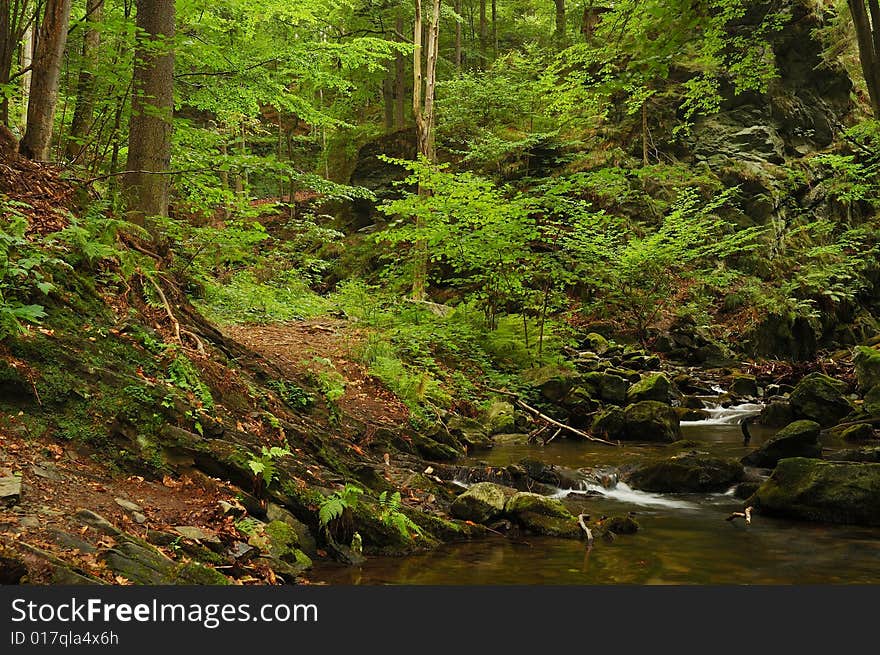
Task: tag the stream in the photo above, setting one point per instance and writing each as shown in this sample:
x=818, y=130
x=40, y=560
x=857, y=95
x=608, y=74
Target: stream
x=684, y=538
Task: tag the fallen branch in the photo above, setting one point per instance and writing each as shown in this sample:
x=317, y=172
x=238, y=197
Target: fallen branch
x=555, y=434
x=562, y=426
x=582, y=522
x=747, y=515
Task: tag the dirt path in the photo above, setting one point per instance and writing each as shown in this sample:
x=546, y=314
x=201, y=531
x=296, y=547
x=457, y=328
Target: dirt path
x=302, y=349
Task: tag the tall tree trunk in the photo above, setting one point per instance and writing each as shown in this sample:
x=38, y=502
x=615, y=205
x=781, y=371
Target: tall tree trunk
x=388, y=98
x=399, y=74
x=51, y=40
x=559, y=34
x=152, y=106
x=423, y=112
x=85, y=87
x=458, y=36
x=494, y=30
x=27, y=59
x=483, y=35
x=868, y=38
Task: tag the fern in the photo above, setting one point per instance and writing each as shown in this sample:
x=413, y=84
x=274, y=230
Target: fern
x=335, y=504
x=389, y=512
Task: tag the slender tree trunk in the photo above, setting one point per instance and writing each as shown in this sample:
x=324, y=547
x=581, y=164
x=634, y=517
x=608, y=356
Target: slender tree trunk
x=559, y=34
x=399, y=74
x=27, y=59
x=44, y=84
x=868, y=38
x=388, y=98
x=494, y=30
x=458, y=36
x=152, y=106
x=645, y=133
x=483, y=35
x=423, y=112
x=85, y=88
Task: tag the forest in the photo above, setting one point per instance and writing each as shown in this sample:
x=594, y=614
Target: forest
x=439, y=292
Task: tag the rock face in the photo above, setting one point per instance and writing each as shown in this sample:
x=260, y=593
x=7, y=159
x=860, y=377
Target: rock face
x=650, y=420
x=606, y=386
x=691, y=472
x=867, y=363
x=10, y=491
x=498, y=418
x=654, y=386
x=542, y=515
x=798, y=439
x=481, y=503
x=814, y=490
x=777, y=414
x=820, y=398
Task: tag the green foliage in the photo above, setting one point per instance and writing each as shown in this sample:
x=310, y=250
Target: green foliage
x=337, y=503
x=292, y=394
x=183, y=375
x=265, y=466
x=390, y=514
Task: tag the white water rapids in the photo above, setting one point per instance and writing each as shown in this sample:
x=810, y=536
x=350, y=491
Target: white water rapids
x=719, y=415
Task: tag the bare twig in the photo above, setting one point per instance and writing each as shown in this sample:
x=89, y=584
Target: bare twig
x=582, y=522
x=747, y=515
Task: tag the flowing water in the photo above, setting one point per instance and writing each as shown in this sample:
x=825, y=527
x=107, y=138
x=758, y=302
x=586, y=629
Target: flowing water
x=684, y=538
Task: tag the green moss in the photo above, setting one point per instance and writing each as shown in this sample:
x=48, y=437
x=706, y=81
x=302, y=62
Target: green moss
x=190, y=573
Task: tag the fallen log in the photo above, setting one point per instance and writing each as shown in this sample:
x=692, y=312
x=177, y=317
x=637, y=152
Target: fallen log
x=747, y=515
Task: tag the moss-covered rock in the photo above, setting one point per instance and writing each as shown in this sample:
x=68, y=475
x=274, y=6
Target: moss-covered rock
x=820, y=398
x=472, y=433
x=650, y=420
x=690, y=472
x=857, y=433
x=743, y=386
x=596, y=343
x=498, y=417
x=813, y=490
x=776, y=414
x=867, y=365
x=654, y=386
x=872, y=401
x=797, y=439
x=620, y=525
x=606, y=386
x=611, y=423
x=541, y=515
x=866, y=454
x=481, y=503
x=686, y=414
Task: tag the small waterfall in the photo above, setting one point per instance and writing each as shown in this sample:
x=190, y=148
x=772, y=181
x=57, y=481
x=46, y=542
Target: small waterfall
x=624, y=493
x=719, y=415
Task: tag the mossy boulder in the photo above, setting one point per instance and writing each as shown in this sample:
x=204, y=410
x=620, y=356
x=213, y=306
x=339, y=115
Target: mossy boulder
x=611, y=423
x=654, y=386
x=284, y=544
x=553, y=383
x=481, y=503
x=867, y=454
x=690, y=472
x=743, y=386
x=867, y=365
x=471, y=432
x=820, y=398
x=596, y=343
x=686, y=414
x=606, y=386
x=797, y=439
x=857, y=433
x=498, y=417
x=872, y=401
x=814, y=490
x=651, y=420
x=776, y=414
x=541, y=515
x=620, y=525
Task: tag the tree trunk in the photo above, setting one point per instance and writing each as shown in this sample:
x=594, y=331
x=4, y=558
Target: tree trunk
x=868, y=38
x=494, y=31
x=483, y=35
x=388, y=98
x=559, y=34
x=27, y=59
x=458, y=36
x=85, y=88
x=423, y=112
x=399, y=74
x=51, y=40
x=152, y=106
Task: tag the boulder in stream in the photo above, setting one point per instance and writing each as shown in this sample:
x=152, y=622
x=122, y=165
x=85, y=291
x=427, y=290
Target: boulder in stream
x=688, y=472
x=481, y=503
x=814, y=490
x=777, y=414
x=872, y=401
x=867, y=364
x=650, y=420
x=797, y=439
x=654, y=386
x=820, y=398
x=743, y=385
x=542, y=515
x=606, y=386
